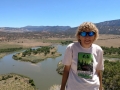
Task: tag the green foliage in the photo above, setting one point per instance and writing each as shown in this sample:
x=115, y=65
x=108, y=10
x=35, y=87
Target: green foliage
x=24, y=54
x=52, y=53
x=43, y=49
x=10, y=49
x=3, y=78
x=66, y=42
x=111, y=52
x=6, y=77
x=16, y=78
x=111, y=75
x=31, y=82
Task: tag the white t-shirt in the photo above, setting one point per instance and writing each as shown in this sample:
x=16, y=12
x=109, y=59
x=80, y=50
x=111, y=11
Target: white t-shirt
x=84, y=63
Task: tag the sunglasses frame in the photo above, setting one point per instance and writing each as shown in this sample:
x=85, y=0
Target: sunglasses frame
x=90, y=34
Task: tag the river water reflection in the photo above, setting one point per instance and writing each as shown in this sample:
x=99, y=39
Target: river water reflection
x=43, y=73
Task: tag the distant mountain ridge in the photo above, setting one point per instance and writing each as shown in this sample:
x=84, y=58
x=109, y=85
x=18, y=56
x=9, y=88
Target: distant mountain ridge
x=110, y=23
x=47, y=28
x=106, y=27
x=109, y=27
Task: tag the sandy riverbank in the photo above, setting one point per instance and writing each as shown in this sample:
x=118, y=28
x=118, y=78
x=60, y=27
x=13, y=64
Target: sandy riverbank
x=16, y=82
x=2, y=55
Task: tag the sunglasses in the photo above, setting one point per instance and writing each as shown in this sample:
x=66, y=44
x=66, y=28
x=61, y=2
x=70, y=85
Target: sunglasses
x=84, y=34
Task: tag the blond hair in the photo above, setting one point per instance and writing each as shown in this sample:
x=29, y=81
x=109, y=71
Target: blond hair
x=87, y=26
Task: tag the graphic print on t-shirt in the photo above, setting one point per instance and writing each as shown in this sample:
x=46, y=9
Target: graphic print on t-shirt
x=85, y=65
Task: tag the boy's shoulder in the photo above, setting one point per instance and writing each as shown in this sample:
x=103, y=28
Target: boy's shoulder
x=97, y=47
x=73, y=44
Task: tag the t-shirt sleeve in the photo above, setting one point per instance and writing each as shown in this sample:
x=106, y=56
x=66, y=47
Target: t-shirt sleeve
x=67, y=56
x=100, y=65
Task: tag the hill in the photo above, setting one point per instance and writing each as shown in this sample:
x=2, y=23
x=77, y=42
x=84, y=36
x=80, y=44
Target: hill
x=109, y=27
x=106, y=27
x=46, y=28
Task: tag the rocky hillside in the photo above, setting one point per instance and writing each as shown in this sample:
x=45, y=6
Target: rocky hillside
x=106, y=27
x=109, y=27
x=46, y=28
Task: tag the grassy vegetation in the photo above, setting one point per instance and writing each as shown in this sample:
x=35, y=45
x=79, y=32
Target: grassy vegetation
x=111, y=75
x=5, y=45
x=112, y=56
x=66, y=42
x=54, y=40
x=5, y=51
x=111, y=52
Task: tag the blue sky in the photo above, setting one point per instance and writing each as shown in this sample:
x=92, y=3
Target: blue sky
x=20, y=13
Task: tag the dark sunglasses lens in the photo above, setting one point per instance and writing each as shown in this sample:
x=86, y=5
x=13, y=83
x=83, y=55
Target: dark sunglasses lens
x=91, y=33
x=83, y=34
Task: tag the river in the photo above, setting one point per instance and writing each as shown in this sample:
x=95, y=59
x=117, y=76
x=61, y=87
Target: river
x=43, y=73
